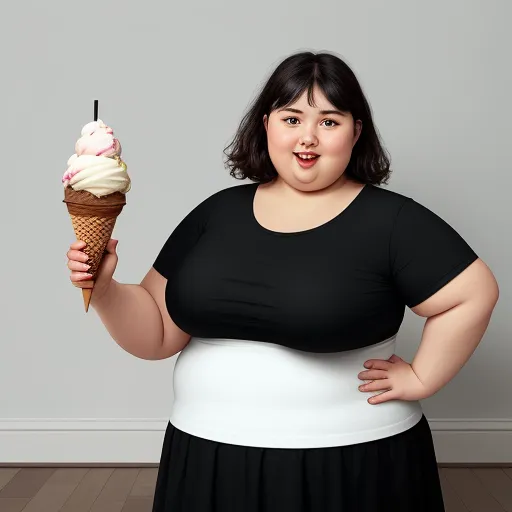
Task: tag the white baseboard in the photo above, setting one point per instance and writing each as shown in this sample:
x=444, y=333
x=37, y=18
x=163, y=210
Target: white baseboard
x=74, y=441
x=471, y=441
x=139, y=441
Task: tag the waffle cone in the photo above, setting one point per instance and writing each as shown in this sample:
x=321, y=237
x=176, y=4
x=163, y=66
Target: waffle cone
x=93, y=220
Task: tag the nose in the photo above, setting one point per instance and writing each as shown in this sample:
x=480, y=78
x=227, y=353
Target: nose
x=308, y=138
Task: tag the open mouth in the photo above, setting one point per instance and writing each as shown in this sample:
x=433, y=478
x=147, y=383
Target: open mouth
x=306, y=158
x=306, y=161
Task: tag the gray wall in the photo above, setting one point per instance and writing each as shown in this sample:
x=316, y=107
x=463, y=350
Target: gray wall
x=173, y=80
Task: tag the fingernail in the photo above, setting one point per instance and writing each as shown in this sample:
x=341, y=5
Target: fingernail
x=86, y=267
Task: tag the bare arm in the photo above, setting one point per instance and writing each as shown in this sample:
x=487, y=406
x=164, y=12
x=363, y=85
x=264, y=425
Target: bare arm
x=457, y=318
x=137, y=319
x=174, y=339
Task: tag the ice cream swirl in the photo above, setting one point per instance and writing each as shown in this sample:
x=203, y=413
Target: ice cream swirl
x=97, y=166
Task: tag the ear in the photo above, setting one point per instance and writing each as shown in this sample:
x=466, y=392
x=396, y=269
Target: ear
x=358, y=127
x=265, y=121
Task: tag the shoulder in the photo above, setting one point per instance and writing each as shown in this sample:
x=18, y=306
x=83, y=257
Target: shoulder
x=398, y=207
x=385, y=199
x=222, y=204
x=405, y=220
x=229, y=196
x=380, y=208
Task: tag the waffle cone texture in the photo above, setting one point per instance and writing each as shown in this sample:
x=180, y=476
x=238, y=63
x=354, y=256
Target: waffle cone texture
x=93, y=220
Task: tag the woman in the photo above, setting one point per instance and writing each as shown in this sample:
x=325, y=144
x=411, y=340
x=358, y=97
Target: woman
x=284, y=297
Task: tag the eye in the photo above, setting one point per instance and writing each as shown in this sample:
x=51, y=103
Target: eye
x=334, y=123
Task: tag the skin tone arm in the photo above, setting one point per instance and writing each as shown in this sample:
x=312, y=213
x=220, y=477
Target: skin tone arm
x=457, y=318
x=137, y=319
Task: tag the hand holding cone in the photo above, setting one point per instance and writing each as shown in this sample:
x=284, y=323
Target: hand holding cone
x=93, y=221
x=77, y=256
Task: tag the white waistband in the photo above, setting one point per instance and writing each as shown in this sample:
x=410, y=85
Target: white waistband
x=261, y=394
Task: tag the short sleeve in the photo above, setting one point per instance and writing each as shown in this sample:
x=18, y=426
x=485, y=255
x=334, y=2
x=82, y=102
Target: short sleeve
x=426, y=253
x=182, y=239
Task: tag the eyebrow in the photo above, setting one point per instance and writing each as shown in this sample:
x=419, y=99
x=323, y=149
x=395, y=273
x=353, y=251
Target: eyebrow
x=322, y=112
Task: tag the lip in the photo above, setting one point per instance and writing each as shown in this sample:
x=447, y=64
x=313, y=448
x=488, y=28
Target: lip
x=306, y=164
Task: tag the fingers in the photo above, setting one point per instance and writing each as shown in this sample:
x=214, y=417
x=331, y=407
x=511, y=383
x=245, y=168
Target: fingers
x=79, y=244
x=76, y=252
x=386, y=396
x=79, y=266
x=378, y=364
x=373, y=374
x=376, y=385
x=76, y=255
x=79, y=276
x=77, y=262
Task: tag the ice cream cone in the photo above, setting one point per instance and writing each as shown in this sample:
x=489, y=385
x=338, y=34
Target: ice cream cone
x=93, y=220
x=95, y=187
x=87, y=288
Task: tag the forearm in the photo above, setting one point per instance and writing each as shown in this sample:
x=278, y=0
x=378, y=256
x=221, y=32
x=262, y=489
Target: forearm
x=448, y=341
x=132, y=318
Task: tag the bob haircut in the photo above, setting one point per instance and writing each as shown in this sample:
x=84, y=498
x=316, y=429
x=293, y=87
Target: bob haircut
x=247, y=155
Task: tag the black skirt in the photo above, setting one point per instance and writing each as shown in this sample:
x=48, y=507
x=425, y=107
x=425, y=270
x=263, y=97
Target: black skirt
x=394, y=474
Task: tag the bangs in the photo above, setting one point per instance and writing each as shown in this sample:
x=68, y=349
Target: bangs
x=291, y=90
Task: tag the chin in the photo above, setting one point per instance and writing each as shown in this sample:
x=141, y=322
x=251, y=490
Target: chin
x=306, y=179
x=309, y=181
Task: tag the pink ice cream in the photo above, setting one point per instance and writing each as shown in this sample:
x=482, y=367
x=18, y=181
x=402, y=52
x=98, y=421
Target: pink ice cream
x=97, y=139
x=96, y=165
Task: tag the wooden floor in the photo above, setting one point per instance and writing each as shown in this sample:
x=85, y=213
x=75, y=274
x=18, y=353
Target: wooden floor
x=131, y=489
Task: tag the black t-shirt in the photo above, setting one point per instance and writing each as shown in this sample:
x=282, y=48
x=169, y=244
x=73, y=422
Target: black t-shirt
x=339, y=286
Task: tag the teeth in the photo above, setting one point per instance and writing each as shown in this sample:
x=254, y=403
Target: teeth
x=306, y=157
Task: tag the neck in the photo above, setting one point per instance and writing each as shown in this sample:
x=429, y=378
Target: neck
x=280, y=186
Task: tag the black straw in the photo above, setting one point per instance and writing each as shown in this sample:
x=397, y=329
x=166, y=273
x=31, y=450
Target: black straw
x=95, y=110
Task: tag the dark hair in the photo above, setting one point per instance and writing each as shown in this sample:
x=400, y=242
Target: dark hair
x=248, y=152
